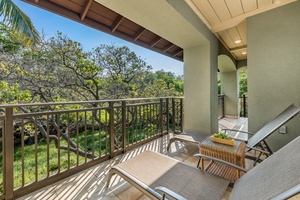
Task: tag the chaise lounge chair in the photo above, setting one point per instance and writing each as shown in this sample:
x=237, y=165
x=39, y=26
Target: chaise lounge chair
x=257, y=139
x=159, y=176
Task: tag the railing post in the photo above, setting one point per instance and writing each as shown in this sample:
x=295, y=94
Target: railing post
x=223, y=106
x=181, y=115
x=124, y=125
x=8, y=155
x=167, y=115
x=173, y=115
x=161, y=117
x=111, y=129
x=244, y=104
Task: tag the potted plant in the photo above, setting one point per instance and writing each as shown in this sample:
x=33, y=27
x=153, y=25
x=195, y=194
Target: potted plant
x=222, y=138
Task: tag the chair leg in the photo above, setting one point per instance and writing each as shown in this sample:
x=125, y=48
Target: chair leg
x=170, y=142
x=110, y=174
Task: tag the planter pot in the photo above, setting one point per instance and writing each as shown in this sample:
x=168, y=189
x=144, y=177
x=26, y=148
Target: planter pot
x=222, y=141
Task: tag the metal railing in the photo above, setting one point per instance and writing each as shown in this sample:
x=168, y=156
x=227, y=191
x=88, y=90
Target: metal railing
x=243, y=105
x=221, y=106
x=46, y=142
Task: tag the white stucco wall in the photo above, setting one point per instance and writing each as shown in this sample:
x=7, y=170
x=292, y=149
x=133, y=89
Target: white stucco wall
x=274, y=69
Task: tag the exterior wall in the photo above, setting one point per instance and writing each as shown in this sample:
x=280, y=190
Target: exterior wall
x=274, y=69
x=200, y=89
x=229, y=87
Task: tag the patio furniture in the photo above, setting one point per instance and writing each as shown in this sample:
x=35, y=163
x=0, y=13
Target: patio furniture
x=159, y=176
x=191, y=137
x=233, y=154
x=258, y=139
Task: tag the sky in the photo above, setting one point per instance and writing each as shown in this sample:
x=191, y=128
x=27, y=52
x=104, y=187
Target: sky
x=50, y=23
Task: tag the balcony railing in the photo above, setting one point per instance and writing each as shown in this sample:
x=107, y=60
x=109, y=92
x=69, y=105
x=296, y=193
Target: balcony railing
x=243, y=106
x=46, y=142
x=221, y=106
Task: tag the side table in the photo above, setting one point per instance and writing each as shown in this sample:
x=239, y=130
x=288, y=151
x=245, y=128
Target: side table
x=234, y=154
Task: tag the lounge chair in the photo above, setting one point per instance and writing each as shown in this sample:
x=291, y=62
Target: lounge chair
x=159, y=176
x=258, y=139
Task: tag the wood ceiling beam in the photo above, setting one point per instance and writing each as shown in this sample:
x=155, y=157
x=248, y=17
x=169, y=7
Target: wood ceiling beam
x=176, y=53
x=117, y=23
x=155, y=41
x=85, y=9
x=75, y=16
x=241, y=48
x=139, y=34
x=36, y=1
x=237, y=20
x=168, y=47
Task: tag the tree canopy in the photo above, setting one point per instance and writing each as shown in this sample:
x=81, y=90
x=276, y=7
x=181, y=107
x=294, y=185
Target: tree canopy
x=58, y=69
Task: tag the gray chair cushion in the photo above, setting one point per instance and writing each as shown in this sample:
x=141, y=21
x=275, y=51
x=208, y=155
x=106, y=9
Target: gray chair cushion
x=153, y=170
x=276, y=174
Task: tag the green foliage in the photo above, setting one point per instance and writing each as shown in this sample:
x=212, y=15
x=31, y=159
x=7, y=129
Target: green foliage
x=10, y=40
x=12, y=93
x=243, y=82
x=222, y=136
x=18, y=21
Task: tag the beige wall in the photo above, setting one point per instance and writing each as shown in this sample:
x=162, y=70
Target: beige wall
x=274, y=69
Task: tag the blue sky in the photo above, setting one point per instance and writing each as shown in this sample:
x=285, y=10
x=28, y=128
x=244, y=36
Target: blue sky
x=50, y=23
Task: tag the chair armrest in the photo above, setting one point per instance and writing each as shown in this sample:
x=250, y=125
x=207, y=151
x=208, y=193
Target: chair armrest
x=227, y=129
x=221, y=161
x=169, y=192
x=260, y=150
x=288, y=193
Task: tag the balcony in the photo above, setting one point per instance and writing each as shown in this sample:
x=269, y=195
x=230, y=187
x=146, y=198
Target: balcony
x=49, y=142
x=90, y=183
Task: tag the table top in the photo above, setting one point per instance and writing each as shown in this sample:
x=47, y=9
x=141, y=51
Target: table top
x=208, y=143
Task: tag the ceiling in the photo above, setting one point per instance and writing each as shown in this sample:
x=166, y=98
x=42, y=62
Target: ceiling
x=227, y=19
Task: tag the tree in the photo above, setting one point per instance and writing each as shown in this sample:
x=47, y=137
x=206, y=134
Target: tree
x=18, y=21
x=123, y=71
x=171, y=81
x=243, y=82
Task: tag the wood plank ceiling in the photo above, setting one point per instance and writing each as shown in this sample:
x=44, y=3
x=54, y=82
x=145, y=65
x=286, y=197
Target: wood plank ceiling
x=227, y=19
x=95, y=15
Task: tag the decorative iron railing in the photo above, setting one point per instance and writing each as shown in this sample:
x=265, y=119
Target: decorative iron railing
x=43, y=143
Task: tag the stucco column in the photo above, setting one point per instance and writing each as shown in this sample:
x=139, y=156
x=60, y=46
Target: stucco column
x=229, y=87
x=200, y=89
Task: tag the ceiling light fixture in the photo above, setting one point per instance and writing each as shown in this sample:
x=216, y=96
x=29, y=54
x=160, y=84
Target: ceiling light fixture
x=244, y=53
x=238, y=41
